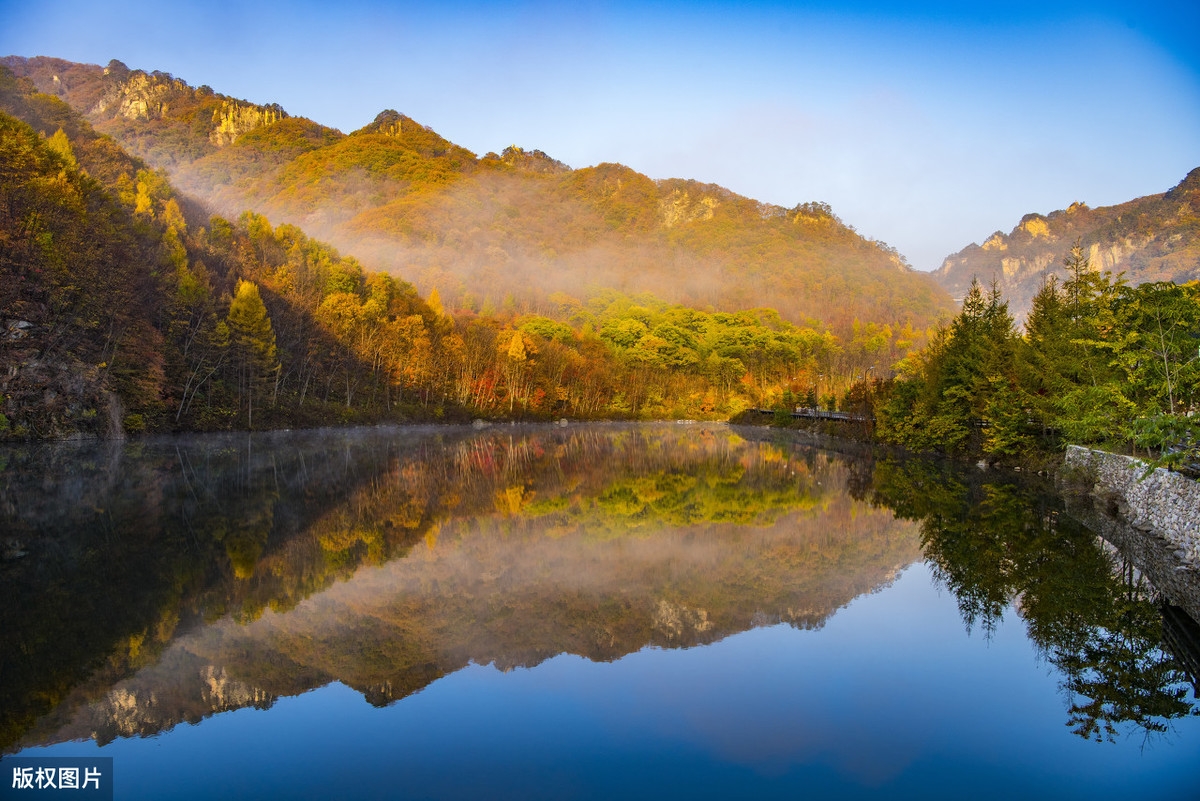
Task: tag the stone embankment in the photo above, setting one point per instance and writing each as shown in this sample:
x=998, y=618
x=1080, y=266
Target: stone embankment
x=1164, y=503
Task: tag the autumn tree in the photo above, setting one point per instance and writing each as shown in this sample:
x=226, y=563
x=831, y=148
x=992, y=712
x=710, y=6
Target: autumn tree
x=252, y=340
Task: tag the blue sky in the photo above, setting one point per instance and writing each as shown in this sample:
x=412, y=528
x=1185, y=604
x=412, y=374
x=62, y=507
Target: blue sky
x=926, y=125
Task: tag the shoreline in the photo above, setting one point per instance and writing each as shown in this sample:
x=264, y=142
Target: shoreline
x=1155, y=521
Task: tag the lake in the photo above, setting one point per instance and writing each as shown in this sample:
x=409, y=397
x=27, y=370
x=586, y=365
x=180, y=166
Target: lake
x=586, y=611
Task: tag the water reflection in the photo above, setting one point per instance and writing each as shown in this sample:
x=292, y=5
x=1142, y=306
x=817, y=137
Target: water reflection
x=1089, y=611
x=168, y=580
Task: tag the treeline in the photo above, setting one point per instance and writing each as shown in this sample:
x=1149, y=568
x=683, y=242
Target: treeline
x=265, y=318
x=1098, y=362
x=123, y=309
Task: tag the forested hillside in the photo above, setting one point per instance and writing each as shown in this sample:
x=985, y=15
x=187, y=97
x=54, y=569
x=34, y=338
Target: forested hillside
x=126, y=308
x=1154, y=238
x=516, y=226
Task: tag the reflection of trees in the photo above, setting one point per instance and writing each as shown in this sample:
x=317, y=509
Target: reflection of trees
x=994, y=543
x=133, y=544
x=518, y=582
x=215, y=528
x=1118, y=673
x=233, y=526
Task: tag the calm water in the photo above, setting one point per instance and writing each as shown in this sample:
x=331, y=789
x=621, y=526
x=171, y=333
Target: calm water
x=609, y=611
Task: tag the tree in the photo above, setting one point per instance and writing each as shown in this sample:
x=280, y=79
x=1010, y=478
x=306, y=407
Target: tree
x=61, y=145
x=1159, y=345
x=252, y=340
x=1046, y=354
x=514, y=366
x=1088, y=296
x=435, y=302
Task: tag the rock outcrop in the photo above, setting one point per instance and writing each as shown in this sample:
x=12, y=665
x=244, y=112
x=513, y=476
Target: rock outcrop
x=1154, y=238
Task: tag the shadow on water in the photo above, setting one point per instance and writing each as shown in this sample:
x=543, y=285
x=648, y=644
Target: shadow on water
x=166, y=580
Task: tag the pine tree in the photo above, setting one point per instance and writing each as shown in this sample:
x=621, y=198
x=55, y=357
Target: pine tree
x=1046, y=354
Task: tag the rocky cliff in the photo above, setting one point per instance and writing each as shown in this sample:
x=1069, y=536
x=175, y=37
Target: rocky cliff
x=153, y=114
x=1154, y=238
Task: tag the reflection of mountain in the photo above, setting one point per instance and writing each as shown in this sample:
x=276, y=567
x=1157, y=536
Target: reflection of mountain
x=235, y=571
x=596, y=541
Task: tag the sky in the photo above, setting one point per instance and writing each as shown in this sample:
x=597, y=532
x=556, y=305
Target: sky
x=927, y=125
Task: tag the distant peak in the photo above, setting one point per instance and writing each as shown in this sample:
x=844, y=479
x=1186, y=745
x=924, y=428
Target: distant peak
x=391, y=123
x=1190, y=185
x=532, y=160
x=389, y=116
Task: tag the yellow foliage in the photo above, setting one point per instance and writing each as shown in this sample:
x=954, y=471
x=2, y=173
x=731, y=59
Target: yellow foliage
x=770, y=453
x=516, y=347
x=143, y=203
x=435, y=302
x=342, y=539
x=407, y=515
x=510, y=501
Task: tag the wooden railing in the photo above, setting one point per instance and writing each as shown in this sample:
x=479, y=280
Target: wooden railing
x=821, y=414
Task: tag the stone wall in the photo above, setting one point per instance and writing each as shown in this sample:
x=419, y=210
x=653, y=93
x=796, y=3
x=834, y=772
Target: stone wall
x=1164, y=503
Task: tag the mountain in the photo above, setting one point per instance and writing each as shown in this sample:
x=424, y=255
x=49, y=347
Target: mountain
x=125, y=307
x=517, y=226
x=79, y=301
x=1153, y=238
x=122, y=302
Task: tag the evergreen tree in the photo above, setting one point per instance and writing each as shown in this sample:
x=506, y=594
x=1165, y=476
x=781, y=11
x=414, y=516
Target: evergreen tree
x=1092, y=405
x=1046, y=354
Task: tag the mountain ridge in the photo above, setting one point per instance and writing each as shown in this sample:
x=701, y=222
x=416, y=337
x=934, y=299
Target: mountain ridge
x=480, y=229
x=1151, y=238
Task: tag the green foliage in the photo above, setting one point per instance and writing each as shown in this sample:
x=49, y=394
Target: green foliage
x=966, y=377
x=548, y=329
x=1156, y=345
x=1175, y=438
x=1099, y=362
x=1094, y=414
